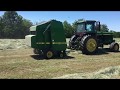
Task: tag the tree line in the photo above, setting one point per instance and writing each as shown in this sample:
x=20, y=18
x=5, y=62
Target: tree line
x=14, y=26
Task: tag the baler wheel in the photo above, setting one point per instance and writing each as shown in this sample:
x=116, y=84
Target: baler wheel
x=62, y=54
x=36, y=51
x=48, y=54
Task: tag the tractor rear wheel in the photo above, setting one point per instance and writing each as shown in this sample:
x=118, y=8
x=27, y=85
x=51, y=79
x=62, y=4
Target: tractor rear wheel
x=114, y=47
x=89, y=45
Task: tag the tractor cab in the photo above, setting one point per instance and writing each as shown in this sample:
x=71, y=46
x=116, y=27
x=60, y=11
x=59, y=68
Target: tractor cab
x=87, y=27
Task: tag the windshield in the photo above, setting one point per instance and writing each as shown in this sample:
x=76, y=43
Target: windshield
x=81, y=27
x=89, y=27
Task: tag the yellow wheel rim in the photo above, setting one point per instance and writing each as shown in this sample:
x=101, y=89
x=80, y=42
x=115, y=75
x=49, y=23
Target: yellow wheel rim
x=49, y=54
x=91, y=45
x=116, y=47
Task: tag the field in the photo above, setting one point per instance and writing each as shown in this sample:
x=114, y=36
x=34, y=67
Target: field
x=17, y=61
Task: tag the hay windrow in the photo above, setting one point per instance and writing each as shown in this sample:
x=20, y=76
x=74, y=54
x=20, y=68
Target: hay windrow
x=107, y=73
x=13, y=44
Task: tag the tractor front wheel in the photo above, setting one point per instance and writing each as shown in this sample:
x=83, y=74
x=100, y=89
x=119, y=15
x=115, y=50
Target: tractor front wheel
x=114, y=47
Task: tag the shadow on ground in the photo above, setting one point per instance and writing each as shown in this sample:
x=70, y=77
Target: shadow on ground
x=104, y=51
x=38, y=57
x=100, y=51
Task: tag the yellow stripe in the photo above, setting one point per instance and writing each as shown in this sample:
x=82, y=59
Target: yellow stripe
x=42, y=43
x=59, y=42
x=47, y=42
x=52, y=43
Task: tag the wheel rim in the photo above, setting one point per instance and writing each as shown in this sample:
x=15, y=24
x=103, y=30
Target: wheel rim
x=91, y=45
x=61, y=55
x=49, y=54
x=116, y=47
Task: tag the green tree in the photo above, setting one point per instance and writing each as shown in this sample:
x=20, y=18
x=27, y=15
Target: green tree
x=111, y=31
x=74, y=24
x=116, y=34
x=26, y=24
x=15, y=26
x=104, y=28
x=68, y=29
x=1, y=28
x=12, y=22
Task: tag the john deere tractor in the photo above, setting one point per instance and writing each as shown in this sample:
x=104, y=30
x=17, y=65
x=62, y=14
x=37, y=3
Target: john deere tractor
x=88, y=37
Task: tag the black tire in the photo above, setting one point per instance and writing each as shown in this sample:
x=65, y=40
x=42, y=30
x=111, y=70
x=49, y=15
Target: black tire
x=88, y=45
x=62, y=54
x=48, y=54
x=114, y=47
x=36, y=51
x=72, y=42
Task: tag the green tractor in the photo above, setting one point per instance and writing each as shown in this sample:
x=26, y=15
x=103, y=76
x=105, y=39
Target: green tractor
x=47, y=39
x=88, y=37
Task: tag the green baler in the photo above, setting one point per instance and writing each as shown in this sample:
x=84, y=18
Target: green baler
x=48, y=39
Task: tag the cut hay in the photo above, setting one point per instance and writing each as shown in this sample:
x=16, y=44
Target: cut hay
x=12, y=44
x=107, y=73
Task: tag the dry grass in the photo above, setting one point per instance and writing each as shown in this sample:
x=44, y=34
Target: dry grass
x=112, y=72
x=22, y=63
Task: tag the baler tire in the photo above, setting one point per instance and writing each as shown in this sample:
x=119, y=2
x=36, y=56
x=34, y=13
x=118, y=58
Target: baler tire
x=48, y=54
x=36, y=51
x=62, y=54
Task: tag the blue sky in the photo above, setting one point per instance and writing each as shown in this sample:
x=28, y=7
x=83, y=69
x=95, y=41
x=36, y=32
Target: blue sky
x=110, y=18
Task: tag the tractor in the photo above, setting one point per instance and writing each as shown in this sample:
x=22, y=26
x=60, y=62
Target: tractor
x=88, y=37
x=48, y=39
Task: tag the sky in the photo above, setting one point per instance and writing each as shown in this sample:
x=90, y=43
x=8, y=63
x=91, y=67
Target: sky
x=110, y=18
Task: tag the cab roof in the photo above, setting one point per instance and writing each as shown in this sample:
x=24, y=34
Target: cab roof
x=82, y=21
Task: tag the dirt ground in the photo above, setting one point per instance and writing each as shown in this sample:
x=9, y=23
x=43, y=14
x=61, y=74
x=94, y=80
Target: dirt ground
x=18, y=61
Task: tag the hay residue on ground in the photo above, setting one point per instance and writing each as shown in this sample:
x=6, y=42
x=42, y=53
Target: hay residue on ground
x=107, y=73
x=13, y=44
